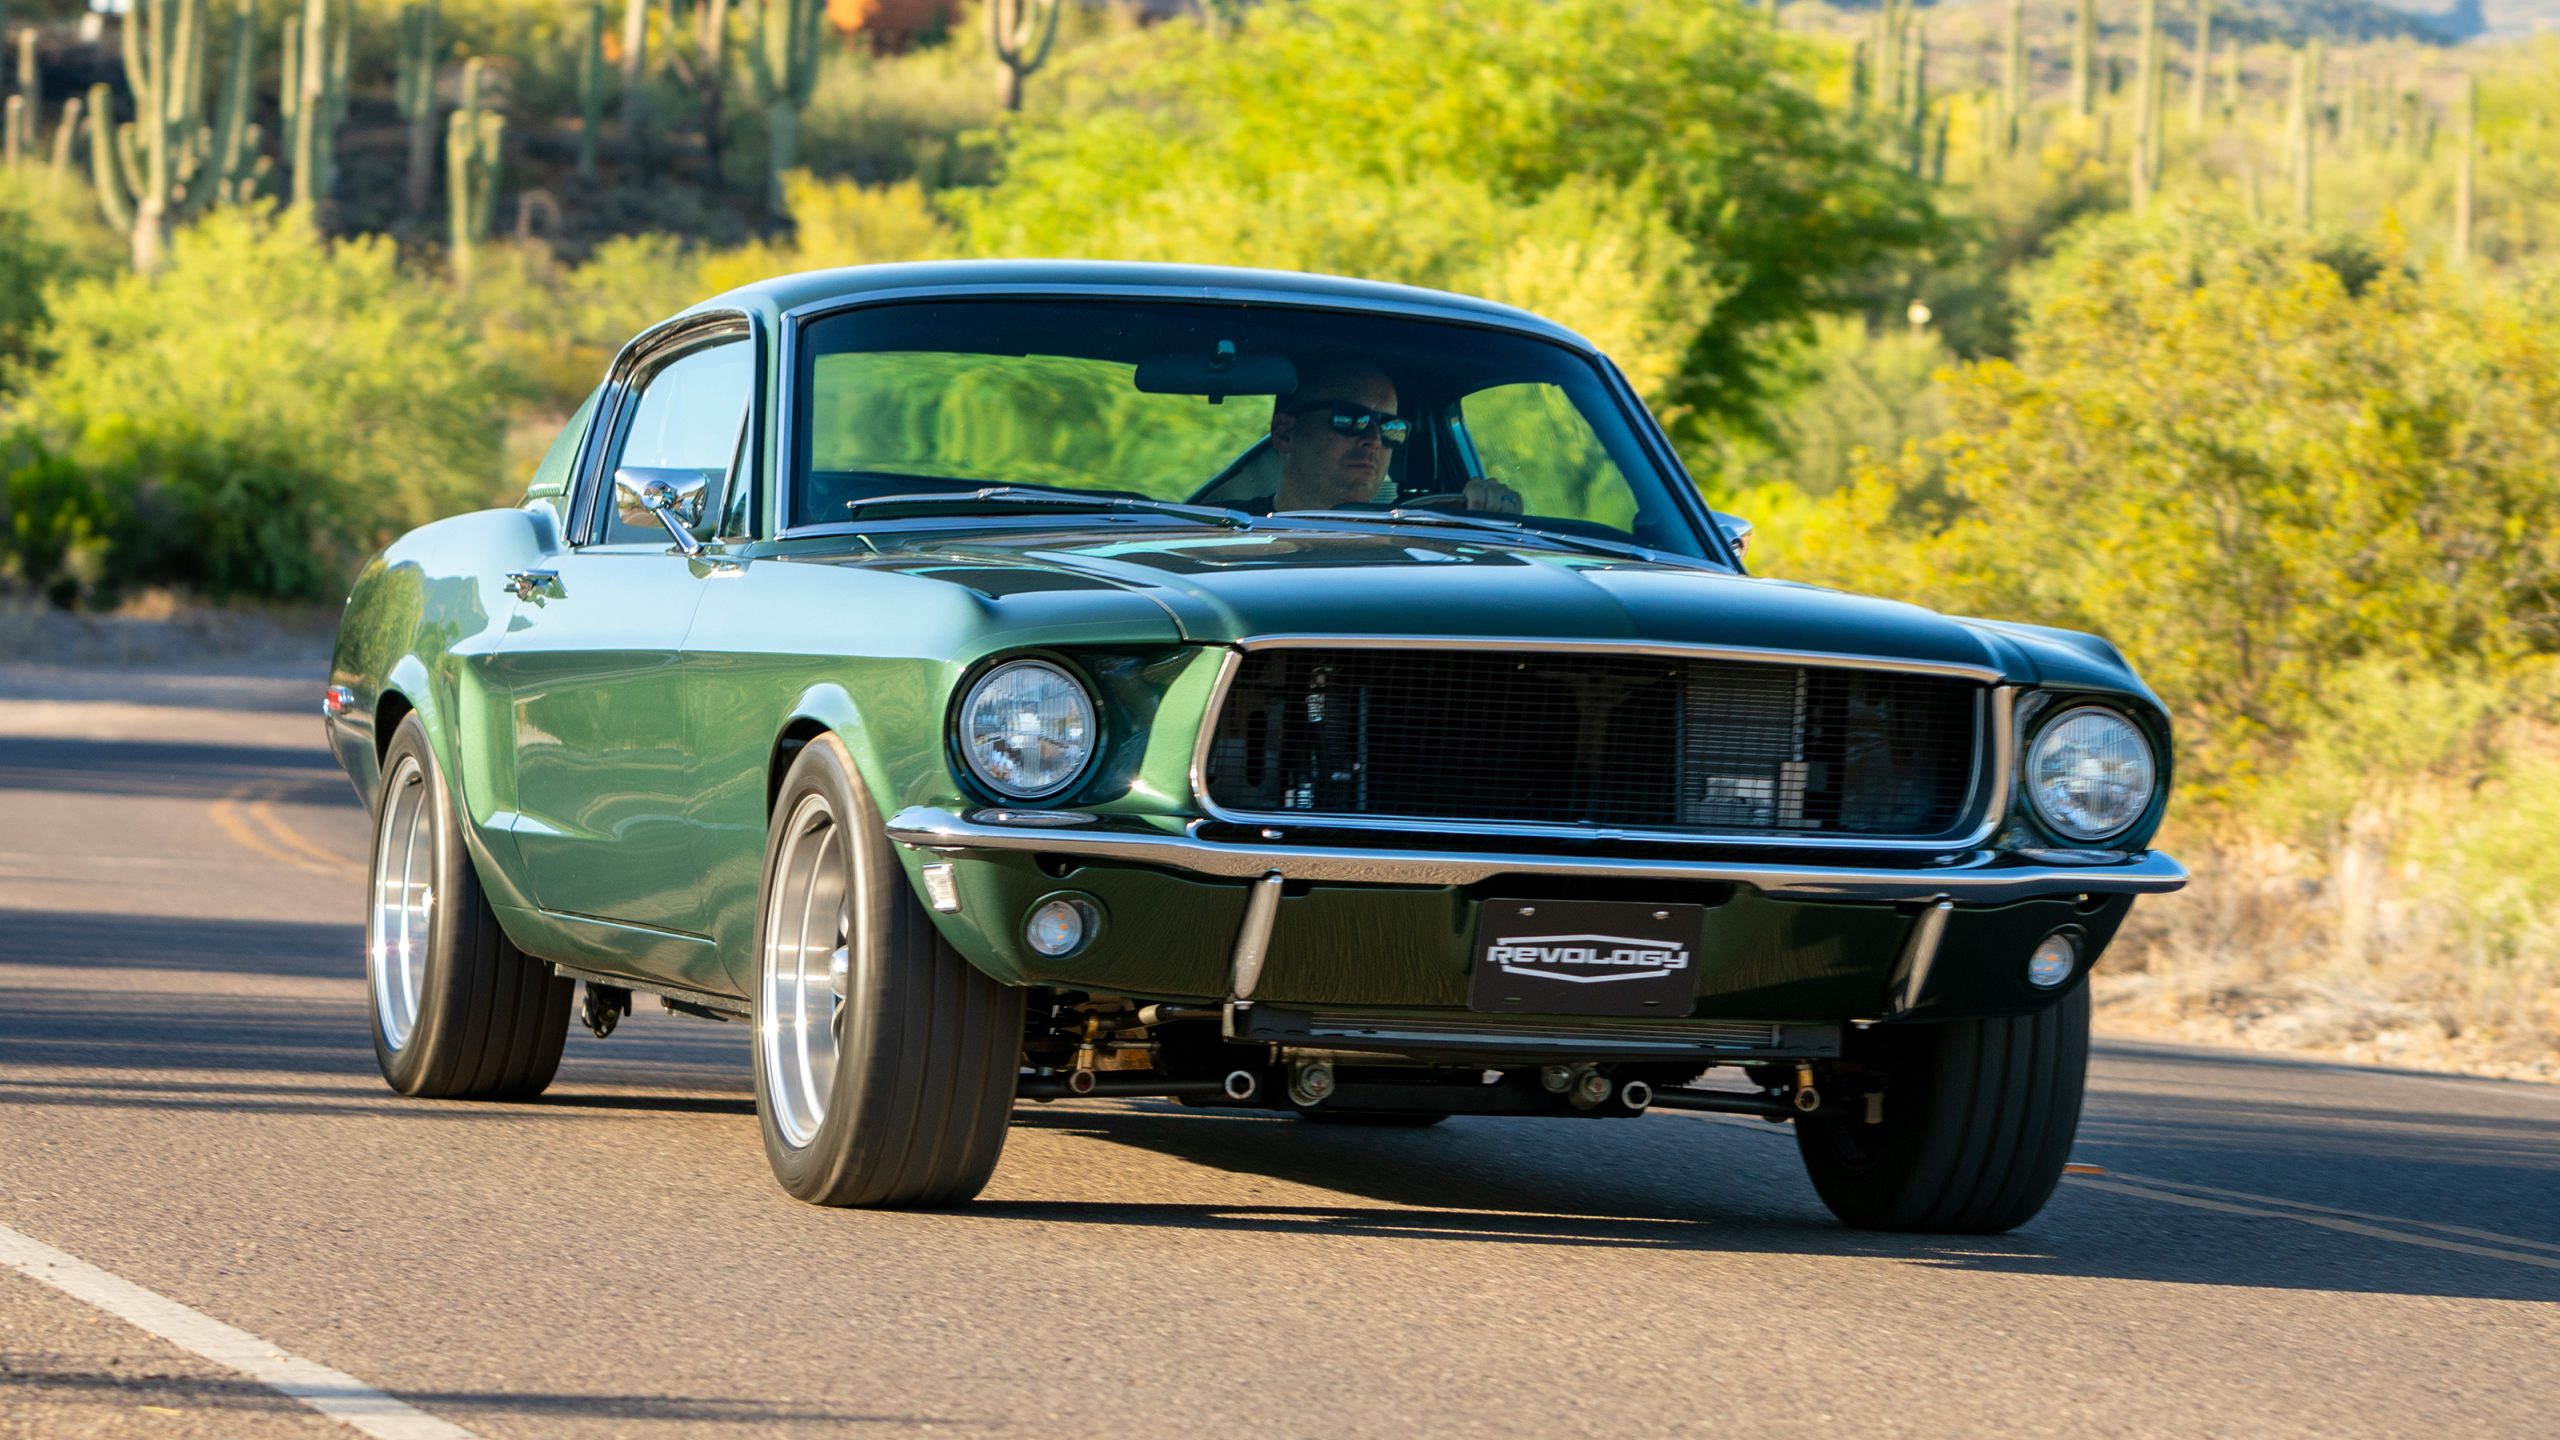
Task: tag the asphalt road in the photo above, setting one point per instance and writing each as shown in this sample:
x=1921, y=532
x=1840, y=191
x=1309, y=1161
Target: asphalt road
x=188, y=1102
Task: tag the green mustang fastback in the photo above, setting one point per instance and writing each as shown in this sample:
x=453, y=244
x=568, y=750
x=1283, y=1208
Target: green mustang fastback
x=1039, y=680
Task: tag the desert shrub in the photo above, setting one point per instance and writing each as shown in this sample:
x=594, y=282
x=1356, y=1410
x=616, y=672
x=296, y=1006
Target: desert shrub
x=48, y=236
x=2261, y=463
x=55, y=520
x=270, y=406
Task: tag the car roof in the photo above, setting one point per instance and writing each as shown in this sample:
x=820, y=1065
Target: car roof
x=1086, y=278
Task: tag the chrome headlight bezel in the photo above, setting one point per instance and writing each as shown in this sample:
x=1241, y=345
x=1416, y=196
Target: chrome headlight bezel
x=979, y=741
x=2051, y=812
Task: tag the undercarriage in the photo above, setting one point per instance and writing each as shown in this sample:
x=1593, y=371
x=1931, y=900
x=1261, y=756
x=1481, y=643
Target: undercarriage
x=1244, y=1056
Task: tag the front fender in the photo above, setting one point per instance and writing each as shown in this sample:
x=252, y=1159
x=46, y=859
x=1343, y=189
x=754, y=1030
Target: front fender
x=417, y=621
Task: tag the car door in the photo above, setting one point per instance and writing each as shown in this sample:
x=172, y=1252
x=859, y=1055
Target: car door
x=592, y=663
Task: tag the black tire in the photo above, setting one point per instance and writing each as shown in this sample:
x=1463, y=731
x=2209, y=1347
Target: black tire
x=1978, y=1121
x=929, y=1049
x=476, y=1018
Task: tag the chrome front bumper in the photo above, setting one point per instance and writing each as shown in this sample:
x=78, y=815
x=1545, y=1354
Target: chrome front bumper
x=1977, y=876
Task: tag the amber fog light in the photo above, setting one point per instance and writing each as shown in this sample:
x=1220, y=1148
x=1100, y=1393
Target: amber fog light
x=2055, y=959
x=1061, y=925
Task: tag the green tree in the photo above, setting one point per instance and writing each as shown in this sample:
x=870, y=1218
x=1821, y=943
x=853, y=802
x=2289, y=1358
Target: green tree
x=1661, y=175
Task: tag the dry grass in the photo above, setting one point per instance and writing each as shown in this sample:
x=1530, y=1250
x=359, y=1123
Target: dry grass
x=156, y=629
x=2394, y=950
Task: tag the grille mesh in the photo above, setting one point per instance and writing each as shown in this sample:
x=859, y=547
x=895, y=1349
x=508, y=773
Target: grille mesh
x=1707, y=745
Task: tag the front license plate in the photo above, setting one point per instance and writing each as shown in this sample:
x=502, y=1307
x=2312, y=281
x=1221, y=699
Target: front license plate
x=1586, y=957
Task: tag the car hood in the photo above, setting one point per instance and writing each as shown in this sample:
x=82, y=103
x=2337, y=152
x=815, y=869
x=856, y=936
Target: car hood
x=1226, y=587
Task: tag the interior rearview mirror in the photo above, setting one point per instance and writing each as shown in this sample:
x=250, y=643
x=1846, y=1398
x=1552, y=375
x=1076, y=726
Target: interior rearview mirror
x=1217, y=373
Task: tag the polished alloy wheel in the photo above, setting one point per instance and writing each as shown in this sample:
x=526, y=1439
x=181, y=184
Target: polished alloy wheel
x=404, y=899
x=807, y=960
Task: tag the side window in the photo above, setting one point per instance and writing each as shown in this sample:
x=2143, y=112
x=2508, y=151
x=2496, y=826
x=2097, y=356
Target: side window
x=1534, y=439
x=690, y=419
x=551, y=477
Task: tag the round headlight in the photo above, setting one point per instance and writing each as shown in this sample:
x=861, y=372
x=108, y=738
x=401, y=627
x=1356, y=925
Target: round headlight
x=1027, y=729
x=2090, y=774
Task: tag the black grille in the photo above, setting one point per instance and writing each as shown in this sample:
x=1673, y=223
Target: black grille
x=1707, y=745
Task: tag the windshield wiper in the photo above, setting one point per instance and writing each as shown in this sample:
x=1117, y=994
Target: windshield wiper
x=1033, y=497
x=1466, y=519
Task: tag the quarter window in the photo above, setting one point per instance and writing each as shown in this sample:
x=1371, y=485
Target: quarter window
x=551, y=477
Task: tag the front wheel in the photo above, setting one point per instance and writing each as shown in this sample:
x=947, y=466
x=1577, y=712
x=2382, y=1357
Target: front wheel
x=458, y=1011
x=885, y=1063
x=1977, y=1122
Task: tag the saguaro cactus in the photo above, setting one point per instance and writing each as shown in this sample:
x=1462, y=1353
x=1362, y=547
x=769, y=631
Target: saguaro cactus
x=1915, y=121
x=2013, y=77
x=591, y=90
x=2466, y=175
x=314, y=100
x=2203, y=65
x=2146, y=108
x=2300, y=117
x=25, y=108
x=473, y=139
x=1892, y=24
x=417, y=94
x=2084, y=61
x=1022, y=32
x=66, y=132
x=782, y=66
x=712, y=80
x=169, y=163
x=635, y=65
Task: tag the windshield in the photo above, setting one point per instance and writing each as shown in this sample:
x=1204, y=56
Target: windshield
x=1265, y=410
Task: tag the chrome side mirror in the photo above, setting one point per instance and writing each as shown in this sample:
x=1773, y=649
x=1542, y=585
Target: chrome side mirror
x=1737, y=532
x=673, y=498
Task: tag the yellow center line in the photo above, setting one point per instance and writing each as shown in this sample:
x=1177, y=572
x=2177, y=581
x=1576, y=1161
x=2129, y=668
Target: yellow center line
x=2325, y=1221
x=2491, y=1236
x=226, y=814
x=264, y=813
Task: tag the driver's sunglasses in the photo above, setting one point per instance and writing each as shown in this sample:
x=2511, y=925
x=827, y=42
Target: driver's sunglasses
x=1349, y=418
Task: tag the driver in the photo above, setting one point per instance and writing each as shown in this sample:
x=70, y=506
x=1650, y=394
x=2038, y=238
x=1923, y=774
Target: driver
x=1333, y=435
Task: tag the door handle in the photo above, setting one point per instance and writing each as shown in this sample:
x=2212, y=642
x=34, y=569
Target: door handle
x=525, y=584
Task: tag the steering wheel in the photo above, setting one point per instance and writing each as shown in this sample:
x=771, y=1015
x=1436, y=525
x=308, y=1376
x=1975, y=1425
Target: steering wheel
x=1442, y=500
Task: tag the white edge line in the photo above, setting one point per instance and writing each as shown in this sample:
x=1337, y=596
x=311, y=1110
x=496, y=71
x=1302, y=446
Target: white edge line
x=340, y=1396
